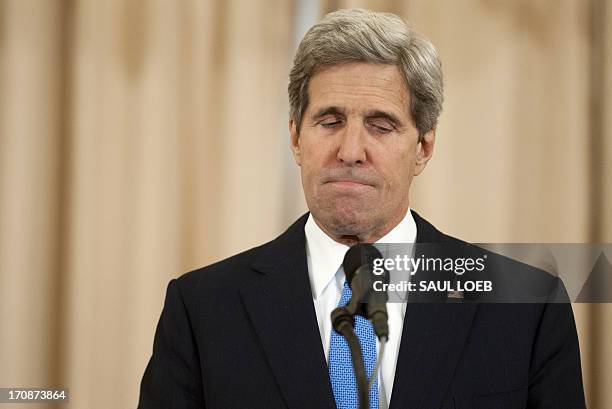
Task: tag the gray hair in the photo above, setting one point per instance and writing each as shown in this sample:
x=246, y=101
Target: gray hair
x=367, y=36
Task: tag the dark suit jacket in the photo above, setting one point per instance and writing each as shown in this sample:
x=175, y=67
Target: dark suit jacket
x=242, y=333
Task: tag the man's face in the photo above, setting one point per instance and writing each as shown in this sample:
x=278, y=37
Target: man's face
x=358, y=150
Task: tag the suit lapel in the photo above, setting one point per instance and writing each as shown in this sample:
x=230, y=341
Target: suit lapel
x=433, y=337
x=279, y=303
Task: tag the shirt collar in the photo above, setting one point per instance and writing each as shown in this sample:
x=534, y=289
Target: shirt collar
x=324, y=255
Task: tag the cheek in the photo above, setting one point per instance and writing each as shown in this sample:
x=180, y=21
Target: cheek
x=315, y=157
x=311, y=166
x=399, y=169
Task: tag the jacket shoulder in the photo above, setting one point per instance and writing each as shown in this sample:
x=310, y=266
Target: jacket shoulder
x=517, y=280
x=224, y=270
x=239, y=269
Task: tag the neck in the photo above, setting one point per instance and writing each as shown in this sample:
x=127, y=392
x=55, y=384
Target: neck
x=371, y=236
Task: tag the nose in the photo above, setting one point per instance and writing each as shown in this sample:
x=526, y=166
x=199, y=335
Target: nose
x=352, y=150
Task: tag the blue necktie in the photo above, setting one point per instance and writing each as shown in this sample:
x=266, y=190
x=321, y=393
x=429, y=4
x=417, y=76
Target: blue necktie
x=341, y=373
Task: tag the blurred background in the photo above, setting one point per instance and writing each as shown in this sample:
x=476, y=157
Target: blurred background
x=142, y=139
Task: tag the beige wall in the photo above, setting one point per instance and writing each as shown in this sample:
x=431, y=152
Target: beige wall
x=142, y=139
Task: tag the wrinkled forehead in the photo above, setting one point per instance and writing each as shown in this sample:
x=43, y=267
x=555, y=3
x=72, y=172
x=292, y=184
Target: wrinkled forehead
x=358, y=85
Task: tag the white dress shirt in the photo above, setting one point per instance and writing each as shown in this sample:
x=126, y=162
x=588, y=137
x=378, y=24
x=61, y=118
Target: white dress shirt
x=324, y=257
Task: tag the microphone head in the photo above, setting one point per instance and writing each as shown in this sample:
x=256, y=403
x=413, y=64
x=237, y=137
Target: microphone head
x=359, y=255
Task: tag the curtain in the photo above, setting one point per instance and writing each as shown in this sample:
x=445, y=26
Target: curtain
x=143, y=139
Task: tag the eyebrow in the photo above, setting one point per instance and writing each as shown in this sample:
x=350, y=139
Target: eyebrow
x=331, y=110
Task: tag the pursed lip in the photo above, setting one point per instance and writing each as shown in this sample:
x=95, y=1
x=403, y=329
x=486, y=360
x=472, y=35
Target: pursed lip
x=348, y=182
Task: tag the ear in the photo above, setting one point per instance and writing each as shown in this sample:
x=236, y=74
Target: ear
x=425, y=149
x=295, y=142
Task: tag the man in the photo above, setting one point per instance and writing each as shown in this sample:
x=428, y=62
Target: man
x=253, y=331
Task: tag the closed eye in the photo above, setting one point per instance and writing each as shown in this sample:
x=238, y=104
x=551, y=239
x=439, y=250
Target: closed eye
x=330, y=124
x=380, y=128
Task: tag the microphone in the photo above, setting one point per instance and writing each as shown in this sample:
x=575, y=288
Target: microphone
x=358, y=267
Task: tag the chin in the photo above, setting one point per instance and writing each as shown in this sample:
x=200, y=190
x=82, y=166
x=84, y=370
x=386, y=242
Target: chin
x=343, y=215
x=347, y=223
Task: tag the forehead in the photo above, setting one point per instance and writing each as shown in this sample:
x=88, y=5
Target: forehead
x=358, y=85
